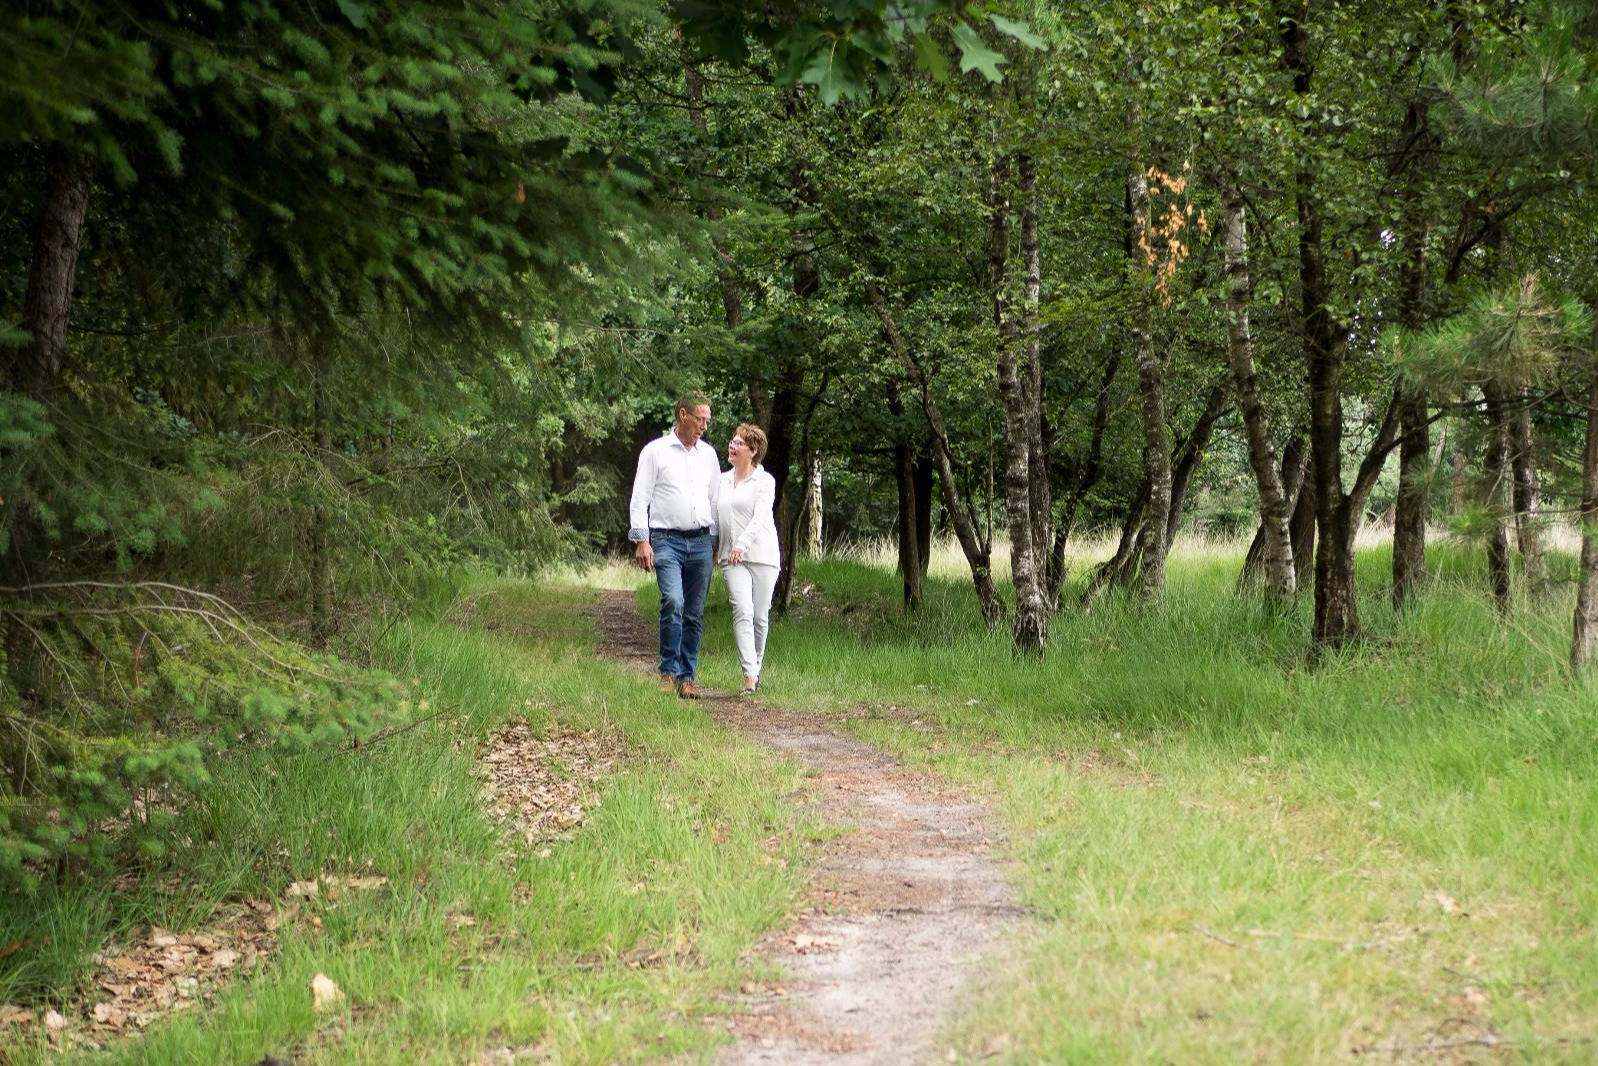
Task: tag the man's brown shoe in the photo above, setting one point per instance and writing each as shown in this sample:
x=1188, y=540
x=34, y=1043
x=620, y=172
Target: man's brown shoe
x=688, y=690
x=668, y=683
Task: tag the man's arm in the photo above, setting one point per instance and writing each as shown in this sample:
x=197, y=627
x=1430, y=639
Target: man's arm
x=638, y=508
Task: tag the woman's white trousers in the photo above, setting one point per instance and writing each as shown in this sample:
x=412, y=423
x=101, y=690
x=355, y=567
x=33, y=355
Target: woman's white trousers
x=749, y=588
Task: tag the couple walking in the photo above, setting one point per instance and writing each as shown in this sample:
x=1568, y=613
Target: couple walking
x=688, y=514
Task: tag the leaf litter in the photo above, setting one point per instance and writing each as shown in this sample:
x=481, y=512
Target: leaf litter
x=160, y=972
x=156, y=974
x=542, y=787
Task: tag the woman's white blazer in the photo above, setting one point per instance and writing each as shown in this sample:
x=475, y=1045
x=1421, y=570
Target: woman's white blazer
x=744, y=517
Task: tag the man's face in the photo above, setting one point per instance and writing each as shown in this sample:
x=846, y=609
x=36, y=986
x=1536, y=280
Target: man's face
x=691, y=423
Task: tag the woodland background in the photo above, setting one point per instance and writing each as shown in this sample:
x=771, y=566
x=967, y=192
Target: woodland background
x=312, y=309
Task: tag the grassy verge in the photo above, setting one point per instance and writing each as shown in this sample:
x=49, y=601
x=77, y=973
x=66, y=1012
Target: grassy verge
x=609, y=946
x=1237, y=856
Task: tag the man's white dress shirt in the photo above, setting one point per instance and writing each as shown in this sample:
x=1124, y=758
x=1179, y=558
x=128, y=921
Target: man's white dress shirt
x=675, y=487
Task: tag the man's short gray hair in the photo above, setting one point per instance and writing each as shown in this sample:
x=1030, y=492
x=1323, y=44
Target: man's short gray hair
x=689, y=400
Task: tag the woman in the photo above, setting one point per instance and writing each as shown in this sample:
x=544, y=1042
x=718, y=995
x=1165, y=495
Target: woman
x=748, y=551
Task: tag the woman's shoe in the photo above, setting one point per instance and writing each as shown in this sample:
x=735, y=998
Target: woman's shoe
x=749, y=690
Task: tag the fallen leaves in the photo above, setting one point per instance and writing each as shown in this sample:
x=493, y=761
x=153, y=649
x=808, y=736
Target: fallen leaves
x=157, y=974
x=807, y=944
x=10, y=1014
x=332, y=886
x=544, y=786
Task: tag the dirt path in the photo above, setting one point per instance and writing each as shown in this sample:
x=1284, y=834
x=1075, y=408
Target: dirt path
x=906, y=903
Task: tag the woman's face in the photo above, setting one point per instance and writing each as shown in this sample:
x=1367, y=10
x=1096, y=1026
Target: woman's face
x=737, y=451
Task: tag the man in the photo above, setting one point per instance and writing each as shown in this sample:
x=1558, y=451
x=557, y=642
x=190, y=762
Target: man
x=673, y=522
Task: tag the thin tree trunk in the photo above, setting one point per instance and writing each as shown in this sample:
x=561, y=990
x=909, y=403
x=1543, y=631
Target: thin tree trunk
x=1302, y=527
x=1523, y=464
x=36, y=373
x=1494, y=470
x=1040, y=489
x=909, y=533
x=814, y=511
x=909, y=546
x=1031, y=619
x=1294, y=459
x=1189, y=454
x=1414, y=469
x=1087, y=477
x=1336, y=611
x=1457, y=496
x=923, y=474
x=1276, y=557
x=47, y=306
x=1113, y=570
x=1410, y=509
x=978, y=554
x=1151, y=391
x=1124, y=568
x=1584, y=625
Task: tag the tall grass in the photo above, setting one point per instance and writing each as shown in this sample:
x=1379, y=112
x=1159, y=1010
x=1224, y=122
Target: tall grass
x=691, y=854
x=1240, y=853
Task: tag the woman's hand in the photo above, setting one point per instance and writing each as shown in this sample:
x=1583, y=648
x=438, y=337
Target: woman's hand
x=735, y=556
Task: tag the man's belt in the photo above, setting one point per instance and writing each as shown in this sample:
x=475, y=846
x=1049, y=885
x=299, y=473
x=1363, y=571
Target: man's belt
x=690, y=534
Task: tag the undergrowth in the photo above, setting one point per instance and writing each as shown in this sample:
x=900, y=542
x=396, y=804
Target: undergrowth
x=604, y=945
x=1238, y=851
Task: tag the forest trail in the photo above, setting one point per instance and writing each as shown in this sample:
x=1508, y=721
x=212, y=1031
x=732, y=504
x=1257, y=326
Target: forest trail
x=905, y=903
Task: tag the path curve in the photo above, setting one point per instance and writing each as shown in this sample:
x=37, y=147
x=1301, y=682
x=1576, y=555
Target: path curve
x=906, y=903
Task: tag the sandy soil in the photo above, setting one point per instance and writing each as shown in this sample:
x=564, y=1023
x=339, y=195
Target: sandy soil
x=905, y=905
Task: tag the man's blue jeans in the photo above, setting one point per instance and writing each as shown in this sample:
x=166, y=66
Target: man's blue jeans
x=682, y=570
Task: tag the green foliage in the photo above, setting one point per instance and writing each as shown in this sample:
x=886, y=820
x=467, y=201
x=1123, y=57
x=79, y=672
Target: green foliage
x=1516, y=335
x=1533, y=93
x=148, y=685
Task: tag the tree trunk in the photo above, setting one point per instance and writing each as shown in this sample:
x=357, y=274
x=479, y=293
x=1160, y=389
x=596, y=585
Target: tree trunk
x=1151, y=391
x=1414, y=468
x=1113, y=570
x=1457, y=496
x=816, y=542
x=1276, y=555
x=47, y=306
x=922, y=475
x=36, y=373
x=1336, y=611
x=1040, y=489
x=1123, y=569
x=1584, y=638
x=793, y=491
x=1031, y=619
x=909, y=546
x=1302, y=526
x=1087, y=476
x=1189, y=454
x=1294, y=458
x=910, y=570
x=1523, y=464
x=1410, y=509
x=1494, y=471
x=978, y=553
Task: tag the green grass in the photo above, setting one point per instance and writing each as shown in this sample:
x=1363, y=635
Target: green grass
x=1172, y=780
x=690, y=855
x=1233, y=854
